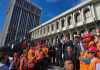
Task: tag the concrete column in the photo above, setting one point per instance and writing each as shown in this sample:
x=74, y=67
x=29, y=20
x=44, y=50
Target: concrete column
x=71, y=35
x=54, y=26
x=93, y=15
x=50, y=40
x=66, y=23
x=50, y=28
x=72, y=20
x=92, y=11
x=82, y=15
x=60, y=24
x=53, y=40
x=32, y=35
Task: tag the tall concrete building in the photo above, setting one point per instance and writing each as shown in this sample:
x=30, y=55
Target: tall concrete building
x=21, y=16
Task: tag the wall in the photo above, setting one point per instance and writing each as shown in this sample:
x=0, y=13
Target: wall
x=97, y=10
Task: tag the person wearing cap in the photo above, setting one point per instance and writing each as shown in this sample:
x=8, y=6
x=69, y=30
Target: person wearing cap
x=78, y=47
x=88, y=39
x=58, y=51
x=66, y=43
x=78, y=43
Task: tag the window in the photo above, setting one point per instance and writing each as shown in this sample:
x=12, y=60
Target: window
x=48, y=28
x=57, y=25
x=40, y=31
x=44, y=30
x=52, y=28
x=69, y=20
x=62, y=22
x=77, y=17
x=34, y=34
x=87, y=13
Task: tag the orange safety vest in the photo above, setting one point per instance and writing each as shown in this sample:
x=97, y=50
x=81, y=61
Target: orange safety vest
x=39, y=54
x=31, y=54
x=45, y=51
x=31, y=58
x=93, y=64
x=84, y=66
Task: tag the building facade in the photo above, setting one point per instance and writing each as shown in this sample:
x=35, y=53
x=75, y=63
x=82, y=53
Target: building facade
x=21, y=16
x=83, y=17
x=0, y=38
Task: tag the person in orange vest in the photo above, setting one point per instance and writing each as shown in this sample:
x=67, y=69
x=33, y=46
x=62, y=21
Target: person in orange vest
x=95, y=61
x=39, y=54
x=89, y=44
x=88, y=38
x=39, y=58
x=31, y=59
x=45, y=59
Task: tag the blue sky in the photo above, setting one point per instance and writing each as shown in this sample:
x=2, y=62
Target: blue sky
x=50, y=8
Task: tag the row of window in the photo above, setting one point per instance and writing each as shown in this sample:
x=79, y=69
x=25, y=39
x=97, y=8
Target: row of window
x=28, y=6
x=13, y=24
x=62, y=22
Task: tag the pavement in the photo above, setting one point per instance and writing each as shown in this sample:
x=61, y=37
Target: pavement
x=55, y=68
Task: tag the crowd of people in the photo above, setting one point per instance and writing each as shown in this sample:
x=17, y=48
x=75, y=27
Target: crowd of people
x=32, y=58
x=81, y=53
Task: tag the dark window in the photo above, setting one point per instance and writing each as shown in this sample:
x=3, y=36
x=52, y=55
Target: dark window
x=87, y=13
x=57, y=25
x=62, y=22
x=52, y=28
x=48, y=28
x=69, y=20
x=77, y=17
x=44, y=30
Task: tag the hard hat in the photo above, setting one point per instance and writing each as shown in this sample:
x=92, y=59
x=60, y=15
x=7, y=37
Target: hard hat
x=92, y=49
